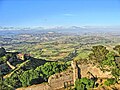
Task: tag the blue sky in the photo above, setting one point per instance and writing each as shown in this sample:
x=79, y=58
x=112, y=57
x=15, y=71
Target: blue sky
x=59, y=13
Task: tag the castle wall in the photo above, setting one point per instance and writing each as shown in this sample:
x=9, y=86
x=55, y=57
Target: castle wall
x=43, y=86
x=56, y=81
x=94, y=70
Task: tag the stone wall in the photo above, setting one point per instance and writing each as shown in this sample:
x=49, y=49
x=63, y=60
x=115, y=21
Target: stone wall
x=94, y=70
x=76, y=71
x=56, y=81
x=43, y=86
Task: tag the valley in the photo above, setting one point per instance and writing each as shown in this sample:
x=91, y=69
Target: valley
x=33, y=58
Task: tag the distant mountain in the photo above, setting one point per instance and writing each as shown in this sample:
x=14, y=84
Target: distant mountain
x=72, y=29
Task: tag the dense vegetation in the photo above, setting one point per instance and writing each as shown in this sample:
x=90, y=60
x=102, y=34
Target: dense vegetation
x=42, y=72
x=34, y=76
x=84, y=84
x=27, y=72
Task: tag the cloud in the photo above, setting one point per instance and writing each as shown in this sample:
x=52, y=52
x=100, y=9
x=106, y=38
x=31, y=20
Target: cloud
x=68, y=14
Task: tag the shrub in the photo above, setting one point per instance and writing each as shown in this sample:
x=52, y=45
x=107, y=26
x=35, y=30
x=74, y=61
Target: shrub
x=84, y=83
x=110, y=82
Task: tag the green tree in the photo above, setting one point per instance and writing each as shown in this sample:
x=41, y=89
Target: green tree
x=50, y=68
x=79, y=85
x=108, y=62
x=13, y=81
x=84, y=84
x=98, y=54
x=27, y=76
x=2, y=51
x=109, y=82
x=1, y=81
x=116, y=73
x=4, y=86
x=117, y=48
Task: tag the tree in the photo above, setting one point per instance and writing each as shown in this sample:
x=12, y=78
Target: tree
x=50, y=68
x=27, y=76
x=98, y=54
x=116, y=73
x=84, y=84
x=13, y=80
x=117, y=48
x=110, y=81
x=4, y=86
x=108, y=62
x=1, y=80
x=2, y=51
x=79, y=85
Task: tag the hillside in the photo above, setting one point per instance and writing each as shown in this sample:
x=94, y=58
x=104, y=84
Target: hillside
x=26, y=71
x=30, y=59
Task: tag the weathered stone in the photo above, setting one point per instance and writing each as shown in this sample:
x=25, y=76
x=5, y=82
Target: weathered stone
x=57, y=83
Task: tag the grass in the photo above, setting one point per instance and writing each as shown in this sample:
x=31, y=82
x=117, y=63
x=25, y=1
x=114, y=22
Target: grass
x=82, y=54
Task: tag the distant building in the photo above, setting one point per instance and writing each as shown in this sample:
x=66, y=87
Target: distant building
x=23, y=56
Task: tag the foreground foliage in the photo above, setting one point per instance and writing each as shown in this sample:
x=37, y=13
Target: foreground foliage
x=37, y=75
x=84, y=84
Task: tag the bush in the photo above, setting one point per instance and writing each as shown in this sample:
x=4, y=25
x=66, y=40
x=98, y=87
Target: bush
x=31, y=76
x=50, y=68
x=27, y=77
x=79, y=85
x=84, y=84
x=110, y=82
x=2, y=51
x=13, y=81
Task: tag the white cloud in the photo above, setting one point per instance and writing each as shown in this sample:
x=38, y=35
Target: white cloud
x=68, y=14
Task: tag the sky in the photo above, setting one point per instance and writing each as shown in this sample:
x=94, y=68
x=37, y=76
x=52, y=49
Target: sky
x=48, y=13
